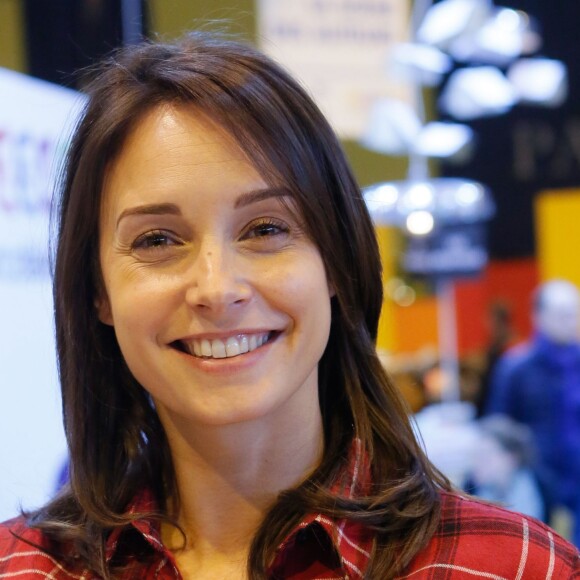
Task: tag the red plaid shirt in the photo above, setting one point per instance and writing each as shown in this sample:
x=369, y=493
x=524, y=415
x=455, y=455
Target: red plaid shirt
x=473, y=540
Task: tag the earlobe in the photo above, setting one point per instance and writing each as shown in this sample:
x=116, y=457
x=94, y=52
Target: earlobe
x=103, y=307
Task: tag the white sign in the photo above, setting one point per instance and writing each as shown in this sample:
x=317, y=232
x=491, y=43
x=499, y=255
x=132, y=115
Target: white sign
x=35, y=121
x=339, y=50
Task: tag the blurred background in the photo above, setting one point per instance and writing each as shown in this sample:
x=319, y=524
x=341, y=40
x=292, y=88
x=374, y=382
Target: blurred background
x=461, y=119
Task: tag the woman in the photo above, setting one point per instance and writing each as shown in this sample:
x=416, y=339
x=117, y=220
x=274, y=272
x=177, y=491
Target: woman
x=217, y=293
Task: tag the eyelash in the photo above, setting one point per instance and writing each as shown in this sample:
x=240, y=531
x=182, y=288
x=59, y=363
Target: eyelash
x=149, y=240
x=266, y=224
x=260, y=229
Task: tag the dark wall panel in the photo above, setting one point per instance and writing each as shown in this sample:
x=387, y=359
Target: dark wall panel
x=64, y=36
x=530, y=149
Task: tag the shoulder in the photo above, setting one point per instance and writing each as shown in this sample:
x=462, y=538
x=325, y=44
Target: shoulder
x=486, y=541
x=11, y=534
x=19, y=545
x=519, y=356
x=25, y=552
x=517, y=364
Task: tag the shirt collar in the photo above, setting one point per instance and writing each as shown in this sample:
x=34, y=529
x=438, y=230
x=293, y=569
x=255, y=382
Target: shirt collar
x=352, y=541
x=149, y=529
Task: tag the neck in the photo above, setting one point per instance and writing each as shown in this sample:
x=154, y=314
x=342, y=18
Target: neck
x=229, y=476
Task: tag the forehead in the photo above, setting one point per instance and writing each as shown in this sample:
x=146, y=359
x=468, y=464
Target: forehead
x=183, y=132
x=175, y=149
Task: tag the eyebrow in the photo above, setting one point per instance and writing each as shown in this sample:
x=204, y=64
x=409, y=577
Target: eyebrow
x=245, y=199
x=150, y=209
x=256, y=195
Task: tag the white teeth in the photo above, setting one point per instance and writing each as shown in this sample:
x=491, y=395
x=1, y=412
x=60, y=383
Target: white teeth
x=230, y=347
x=218, y=348
x=253, y=342
x=205, y=347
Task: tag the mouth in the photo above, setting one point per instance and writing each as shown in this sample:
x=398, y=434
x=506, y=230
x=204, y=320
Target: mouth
x=227, y=347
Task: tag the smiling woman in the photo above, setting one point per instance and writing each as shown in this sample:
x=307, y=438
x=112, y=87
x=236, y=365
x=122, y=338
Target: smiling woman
x=193, y=229
x=217, y=293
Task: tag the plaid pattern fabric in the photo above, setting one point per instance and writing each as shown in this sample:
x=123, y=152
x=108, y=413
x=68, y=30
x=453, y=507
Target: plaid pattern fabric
x=476, y=540
x=473, y=540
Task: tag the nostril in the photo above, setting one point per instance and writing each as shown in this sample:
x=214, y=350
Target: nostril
x=217, y=293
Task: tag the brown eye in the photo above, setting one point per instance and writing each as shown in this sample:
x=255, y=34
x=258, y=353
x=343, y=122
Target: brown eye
x=153, y=240
x=266, y=228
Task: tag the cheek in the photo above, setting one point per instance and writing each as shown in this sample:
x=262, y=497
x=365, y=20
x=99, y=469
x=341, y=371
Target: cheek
x=140, y=306
x=299, y=291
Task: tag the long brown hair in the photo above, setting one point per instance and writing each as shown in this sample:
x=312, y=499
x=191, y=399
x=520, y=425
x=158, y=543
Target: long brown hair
x=116, y=441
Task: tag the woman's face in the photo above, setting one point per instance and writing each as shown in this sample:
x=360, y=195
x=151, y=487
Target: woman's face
x=219, y=300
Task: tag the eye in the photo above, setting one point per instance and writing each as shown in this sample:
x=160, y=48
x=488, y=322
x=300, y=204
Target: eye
x=265, y=228
x=156, y=239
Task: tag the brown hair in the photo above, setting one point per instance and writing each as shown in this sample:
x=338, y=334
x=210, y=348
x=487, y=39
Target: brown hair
x=115, y=438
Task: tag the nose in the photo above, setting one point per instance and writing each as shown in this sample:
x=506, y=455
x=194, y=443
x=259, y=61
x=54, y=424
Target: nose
x=216, y=283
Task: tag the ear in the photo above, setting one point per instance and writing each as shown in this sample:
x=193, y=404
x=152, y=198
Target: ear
x=103, y=307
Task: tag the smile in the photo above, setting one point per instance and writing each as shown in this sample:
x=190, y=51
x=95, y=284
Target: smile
x=226, y=347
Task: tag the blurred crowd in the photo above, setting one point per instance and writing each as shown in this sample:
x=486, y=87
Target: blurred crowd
x=514, y=436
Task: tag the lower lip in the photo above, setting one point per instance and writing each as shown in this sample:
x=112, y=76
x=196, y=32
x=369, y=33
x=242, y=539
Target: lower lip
x=229, y=365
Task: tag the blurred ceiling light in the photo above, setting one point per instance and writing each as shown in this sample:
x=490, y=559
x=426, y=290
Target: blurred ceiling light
x=449, y=200
x=477, y=92
x=392, y=284
x=395, y=129
x=506, y=35
x=509, y=21
x=468, y=194
x=383, y=198
x=392, y=127
x=420, y=223
x=419, y=63
x=539, y=81
x=419, y=196
x=404, y=295
x=447, y=20
x=444, y=140
x=399, y=292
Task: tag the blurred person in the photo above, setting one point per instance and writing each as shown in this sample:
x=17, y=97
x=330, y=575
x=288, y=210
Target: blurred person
x=217, y=296
x=501, y=466
x=500, y=339
x=538, y=385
